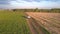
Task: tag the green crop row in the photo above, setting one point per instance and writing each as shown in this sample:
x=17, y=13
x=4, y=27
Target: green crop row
x=13, y=23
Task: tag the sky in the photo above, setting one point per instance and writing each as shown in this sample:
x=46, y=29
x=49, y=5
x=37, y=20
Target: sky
x=29, y=4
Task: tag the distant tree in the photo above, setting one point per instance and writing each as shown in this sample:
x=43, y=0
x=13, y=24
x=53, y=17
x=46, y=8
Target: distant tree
x=14, y=10
x=25, y=10
x=36, y=10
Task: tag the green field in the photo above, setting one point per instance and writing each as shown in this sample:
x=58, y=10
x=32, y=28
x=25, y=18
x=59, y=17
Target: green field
x=13, y=23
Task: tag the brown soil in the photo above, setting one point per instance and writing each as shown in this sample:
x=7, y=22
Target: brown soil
x=50, y=21
x=34, y=26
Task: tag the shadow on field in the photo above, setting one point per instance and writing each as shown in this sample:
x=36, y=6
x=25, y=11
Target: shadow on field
x=38, y=29
x=24, y=17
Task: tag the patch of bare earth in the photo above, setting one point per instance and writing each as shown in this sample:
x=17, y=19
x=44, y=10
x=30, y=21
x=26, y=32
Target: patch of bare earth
x=30, y=26
x=50, y=21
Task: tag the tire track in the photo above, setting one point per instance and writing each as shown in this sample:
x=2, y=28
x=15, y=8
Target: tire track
x=48, y=24
x=35, y=27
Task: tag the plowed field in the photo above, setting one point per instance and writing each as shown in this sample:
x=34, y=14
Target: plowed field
x=49, y=21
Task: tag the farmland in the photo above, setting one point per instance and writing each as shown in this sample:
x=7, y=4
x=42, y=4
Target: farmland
x=49, y=21
x=40, y=21
x=13, y=23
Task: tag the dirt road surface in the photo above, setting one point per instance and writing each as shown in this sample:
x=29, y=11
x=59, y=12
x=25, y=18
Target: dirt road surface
x=50, y=21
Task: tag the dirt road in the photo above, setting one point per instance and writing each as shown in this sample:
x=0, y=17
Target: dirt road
x=35, y=27
x=50, y=21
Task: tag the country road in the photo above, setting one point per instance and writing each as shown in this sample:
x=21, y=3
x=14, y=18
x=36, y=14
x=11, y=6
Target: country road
x=35, y=27
x=50, y=21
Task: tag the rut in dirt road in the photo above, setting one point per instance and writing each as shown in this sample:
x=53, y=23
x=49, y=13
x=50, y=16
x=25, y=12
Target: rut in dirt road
x=31, y=27
x=50, y=21
x=35, y=27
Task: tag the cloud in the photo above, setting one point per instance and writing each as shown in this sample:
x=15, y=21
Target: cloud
x=24, y=4
x=4, y=2
x=41, y=0
x=49, y=4
x=34, y=4
x=32, y=0
x=30, y=3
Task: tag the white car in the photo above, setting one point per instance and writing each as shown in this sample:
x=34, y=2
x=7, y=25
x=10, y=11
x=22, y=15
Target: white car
x=28, y=17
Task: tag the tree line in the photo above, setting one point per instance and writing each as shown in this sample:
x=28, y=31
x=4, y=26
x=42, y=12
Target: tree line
x=38, y=10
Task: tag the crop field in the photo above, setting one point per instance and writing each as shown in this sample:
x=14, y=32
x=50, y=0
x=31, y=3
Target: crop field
x=13, y=23
x=17, y=22
x=49, y=21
